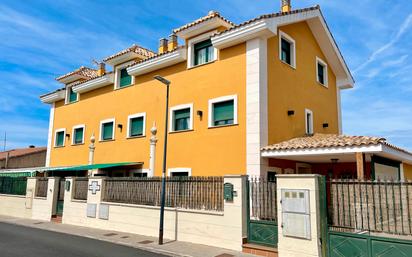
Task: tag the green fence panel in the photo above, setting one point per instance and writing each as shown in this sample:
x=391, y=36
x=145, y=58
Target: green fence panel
x=343, y=245
x=390, y=248
x=13, y=186
x=263, y=233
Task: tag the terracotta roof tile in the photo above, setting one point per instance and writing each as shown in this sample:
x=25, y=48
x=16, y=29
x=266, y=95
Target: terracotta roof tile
x=21, y=152
x=156, y=55
x=134, y=48
x=211, y=15
x=327, y=141
x=82, y=71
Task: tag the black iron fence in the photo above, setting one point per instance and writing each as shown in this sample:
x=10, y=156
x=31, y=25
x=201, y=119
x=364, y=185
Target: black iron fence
x=41, y=187
x=263, y=195
x=13, y=186
x=199, y=193
x=370, y=206
x=80, y=188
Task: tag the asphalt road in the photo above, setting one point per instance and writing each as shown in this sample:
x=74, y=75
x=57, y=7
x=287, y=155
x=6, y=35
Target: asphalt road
x=19, y=241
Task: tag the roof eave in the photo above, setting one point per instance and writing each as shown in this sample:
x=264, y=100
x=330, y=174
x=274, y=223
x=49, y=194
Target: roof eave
x=122, y=58
x=94, y=84
x=53, y=97
x=202, y=27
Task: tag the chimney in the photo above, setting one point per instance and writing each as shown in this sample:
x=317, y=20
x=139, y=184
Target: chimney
x=101, y=70
x=172, y=42
x=163, y=45
x=286, y=6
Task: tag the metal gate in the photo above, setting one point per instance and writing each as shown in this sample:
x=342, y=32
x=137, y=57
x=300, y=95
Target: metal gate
x=60, y=198
x=262, y=218
x=369, y=218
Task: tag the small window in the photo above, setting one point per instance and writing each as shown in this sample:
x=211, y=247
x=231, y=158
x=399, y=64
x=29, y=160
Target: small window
x=203, y=52
x=223, y=113
x=181, y=119
x=78, y=135
x=140, y=175
x=287, y=49
x=136, y=125
x=125, y=78
x=59, y=138
x=71, y=96
x=309, y=122
x=179, y=174
x=321, y=72
x=107, y=131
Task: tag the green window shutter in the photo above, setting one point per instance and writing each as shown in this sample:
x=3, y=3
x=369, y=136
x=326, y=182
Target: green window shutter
x=60, y=138
x=204, y=52
x=286, y=51
x=78, y=135
x=223, y=113
x=125, y=78
x=181, y=119
x=107, y=131
x=72, y=96
x=136, y=126
x=321, y=73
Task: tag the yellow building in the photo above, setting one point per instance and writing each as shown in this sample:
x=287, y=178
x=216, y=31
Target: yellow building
x=235, y=89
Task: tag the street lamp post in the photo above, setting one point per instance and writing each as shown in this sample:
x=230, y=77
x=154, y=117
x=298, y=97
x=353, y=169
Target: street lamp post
x=162, y=199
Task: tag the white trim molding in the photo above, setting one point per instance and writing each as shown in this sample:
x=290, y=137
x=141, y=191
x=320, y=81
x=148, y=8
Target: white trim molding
x=159, y=62
x=50, y=136
x=191, y=49
x=53, y=97
x=94, y=83
x=73, y=135
x=309, y=123
x=136, y=115
x=177, y=170
x=101, y=127
x=117, y=74
x=218, y=100
x=325, y=71
x=172, y=116
x=256, y=106
x=55, y=137
x=283, y=35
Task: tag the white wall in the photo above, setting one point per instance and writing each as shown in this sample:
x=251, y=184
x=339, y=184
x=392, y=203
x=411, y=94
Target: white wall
x=44, y=207
x=224, y=229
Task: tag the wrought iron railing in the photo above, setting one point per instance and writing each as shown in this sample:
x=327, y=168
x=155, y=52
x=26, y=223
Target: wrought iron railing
x=370, y=206
x=80, y=188
x=41, y=187
x=263, y=195
x=198, y=193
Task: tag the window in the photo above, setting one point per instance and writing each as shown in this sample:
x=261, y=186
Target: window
x=107, y=130
x=179, y=172
x=136, y=125
x=125, y=78
x=78, y=135
x=203, y=52
x=181, y=118
x=140, y=175
x=287, y=49
x=309, y=122
x=223, y=111
x=71, y=96
x=321, y=72
x=59, y=138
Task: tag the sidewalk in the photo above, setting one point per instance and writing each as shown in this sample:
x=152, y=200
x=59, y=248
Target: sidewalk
x=171, y=248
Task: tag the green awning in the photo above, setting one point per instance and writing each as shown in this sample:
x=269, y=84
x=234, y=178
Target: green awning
x=17, y=174
x=94, y=166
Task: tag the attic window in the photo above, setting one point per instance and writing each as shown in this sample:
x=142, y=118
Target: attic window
x=122, y=77
x=125, y=78
x=204, y=52
x=71, y=96
x=287, y=49
x=321, y=72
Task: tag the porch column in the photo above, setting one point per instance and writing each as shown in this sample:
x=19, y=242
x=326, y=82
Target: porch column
x=360, y=165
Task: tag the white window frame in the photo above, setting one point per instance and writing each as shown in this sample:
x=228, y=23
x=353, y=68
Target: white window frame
x=191, y=49
x=55, y=137
x=66, y=101
x=117, y=75
x=311, y=129
x=101, y=129
x=178, y=170
x=136, y=115
x=218, y=100
x=73, y=135
x=172, y=116
x=293, y=48
x=325, y=73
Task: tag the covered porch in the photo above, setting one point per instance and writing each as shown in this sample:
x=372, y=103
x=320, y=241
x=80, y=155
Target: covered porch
x=339, y=156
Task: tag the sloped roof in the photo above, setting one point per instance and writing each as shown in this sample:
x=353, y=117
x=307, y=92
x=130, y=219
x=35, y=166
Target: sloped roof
x=21, y=152
x=82, y=71
x=318, y=141
x=209, y=16
x=156, y=56
x=133, y=49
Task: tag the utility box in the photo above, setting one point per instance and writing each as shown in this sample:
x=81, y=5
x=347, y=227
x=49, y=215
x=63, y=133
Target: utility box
x=296, y=213
x=228, y=191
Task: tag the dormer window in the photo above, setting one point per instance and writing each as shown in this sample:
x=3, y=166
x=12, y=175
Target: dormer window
x=123, y=78
x=204, y=52
x=71, y=96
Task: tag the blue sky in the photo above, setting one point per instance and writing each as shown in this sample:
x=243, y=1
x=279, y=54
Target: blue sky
x=41, y=39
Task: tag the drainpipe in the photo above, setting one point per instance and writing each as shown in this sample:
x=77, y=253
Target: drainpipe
x=153, y=141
